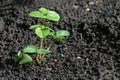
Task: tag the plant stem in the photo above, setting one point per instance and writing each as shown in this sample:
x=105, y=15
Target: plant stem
x=39, y=57
x=41, y=43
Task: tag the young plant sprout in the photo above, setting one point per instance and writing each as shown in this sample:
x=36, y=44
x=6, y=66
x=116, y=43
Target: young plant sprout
x=42, y=31
x=23, y=57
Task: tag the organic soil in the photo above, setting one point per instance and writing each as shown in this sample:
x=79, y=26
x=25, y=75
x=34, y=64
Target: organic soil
x=91, y=52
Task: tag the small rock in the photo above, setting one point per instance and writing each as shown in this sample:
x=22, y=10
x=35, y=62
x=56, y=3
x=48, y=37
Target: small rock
x=49, y=69
x=87, y=9
x=91, y=3
x=78, y=57
x=55, y=60
x=75, y=6
x=62, y=55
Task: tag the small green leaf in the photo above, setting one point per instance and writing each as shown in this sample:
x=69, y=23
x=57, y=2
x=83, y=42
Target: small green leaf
x=37, y=14
x=45, y=13
x=43, y=10
x=39, y=33
x=35, y=26
x=18, y=57
x=62, y=33
x=45, y=27
x=19, y=52
x=52, y=15
x=42, y=31
x=25, y=59
x=52, y=34
x=60, y=37
x=45, y=32
x=48, y=14
x=43, y=51
x=30, y=49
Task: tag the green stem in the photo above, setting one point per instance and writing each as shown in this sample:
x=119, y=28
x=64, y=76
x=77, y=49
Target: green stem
x=39, y=57
x=41, y=43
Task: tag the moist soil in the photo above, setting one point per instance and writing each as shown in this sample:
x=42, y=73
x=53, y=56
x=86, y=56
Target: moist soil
x=91, y=52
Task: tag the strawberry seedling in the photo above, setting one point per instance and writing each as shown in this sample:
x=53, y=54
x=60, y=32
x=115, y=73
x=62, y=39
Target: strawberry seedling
x=42, y=31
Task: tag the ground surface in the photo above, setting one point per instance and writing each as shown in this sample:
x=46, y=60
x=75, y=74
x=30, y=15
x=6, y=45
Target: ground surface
x=92, y=52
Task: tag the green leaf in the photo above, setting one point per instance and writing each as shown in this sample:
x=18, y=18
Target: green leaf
x=45, y=32
x=30, y=49
x=39, y=33
x=45, y=27
x=18, y=57
x=52, y=33
x=35, y=26
x=62, y=33
x=43, y=11
x=60, y=37
x=37, y=14
x=52, y=15
x=42, y=31
x=48, y=14
x=43, y=51
x=25, y=59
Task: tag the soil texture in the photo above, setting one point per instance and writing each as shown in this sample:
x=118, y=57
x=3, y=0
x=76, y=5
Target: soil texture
x=91, y=52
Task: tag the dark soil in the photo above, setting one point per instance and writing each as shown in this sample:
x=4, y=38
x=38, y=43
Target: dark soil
x=92, y=52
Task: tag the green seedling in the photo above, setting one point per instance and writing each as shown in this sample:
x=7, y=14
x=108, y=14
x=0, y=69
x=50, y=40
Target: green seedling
x=42, y=32
x=45, y=14
x=23, y=57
